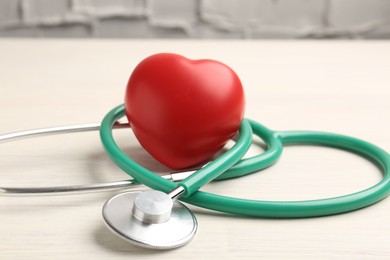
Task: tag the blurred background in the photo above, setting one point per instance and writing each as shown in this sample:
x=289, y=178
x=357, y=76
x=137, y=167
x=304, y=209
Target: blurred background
x=196, y=19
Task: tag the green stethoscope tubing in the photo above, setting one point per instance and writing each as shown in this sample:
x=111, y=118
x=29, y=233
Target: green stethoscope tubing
x=230, y=165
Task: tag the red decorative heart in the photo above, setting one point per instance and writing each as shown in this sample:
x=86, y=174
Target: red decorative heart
x=183, y=111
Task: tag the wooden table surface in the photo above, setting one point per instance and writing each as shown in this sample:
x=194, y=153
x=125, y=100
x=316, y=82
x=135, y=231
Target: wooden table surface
x=336, y=86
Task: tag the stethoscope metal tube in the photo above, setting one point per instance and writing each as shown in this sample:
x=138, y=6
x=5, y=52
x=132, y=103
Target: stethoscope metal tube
x=54, y=130
x=85, y=188
x=74, y=189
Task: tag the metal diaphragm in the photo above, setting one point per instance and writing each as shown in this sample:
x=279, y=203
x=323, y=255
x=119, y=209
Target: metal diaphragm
x=178, y=230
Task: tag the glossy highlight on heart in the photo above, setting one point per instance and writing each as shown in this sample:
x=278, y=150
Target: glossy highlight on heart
x=183, y=111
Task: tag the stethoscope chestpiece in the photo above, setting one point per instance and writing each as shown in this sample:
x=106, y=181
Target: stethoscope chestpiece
x=148, y=219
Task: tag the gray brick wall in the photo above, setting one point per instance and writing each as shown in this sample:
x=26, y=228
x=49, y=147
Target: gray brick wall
x=237, y=19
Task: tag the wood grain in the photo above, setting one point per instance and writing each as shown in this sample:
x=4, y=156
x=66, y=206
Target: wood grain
x=337, y=86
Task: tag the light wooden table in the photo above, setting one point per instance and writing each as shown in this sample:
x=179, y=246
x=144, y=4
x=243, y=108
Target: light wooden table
x=342, y=87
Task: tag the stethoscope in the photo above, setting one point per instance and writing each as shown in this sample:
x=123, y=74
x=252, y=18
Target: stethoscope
x=156, y=219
